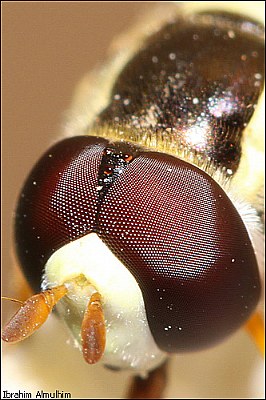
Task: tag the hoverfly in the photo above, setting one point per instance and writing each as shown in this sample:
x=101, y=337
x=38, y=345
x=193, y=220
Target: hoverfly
x=153, y=143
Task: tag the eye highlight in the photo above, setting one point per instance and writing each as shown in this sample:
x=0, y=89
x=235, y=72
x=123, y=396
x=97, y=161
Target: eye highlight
x=168, y=222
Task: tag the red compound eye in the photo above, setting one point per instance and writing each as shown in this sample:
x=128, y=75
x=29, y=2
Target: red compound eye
x=169, y=223
x=181, y=237
x=58, y=202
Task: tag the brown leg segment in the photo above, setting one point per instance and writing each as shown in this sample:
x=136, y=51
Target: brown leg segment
x=150, y=388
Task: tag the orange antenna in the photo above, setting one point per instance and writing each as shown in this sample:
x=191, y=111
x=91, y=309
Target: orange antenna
x=93, y=332
x=32, y=314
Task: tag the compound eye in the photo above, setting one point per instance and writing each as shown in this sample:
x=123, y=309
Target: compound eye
x=183, y=240
x=169, y=223
x=58, y=202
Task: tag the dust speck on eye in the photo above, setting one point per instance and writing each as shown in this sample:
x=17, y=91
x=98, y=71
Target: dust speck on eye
x=172, y=56
x=231, y=34
x=258, y=76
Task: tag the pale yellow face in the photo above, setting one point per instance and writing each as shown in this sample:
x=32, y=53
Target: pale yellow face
x=127, y=329
x=49, y=361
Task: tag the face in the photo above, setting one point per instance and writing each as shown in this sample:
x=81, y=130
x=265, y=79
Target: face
x=181, y=361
